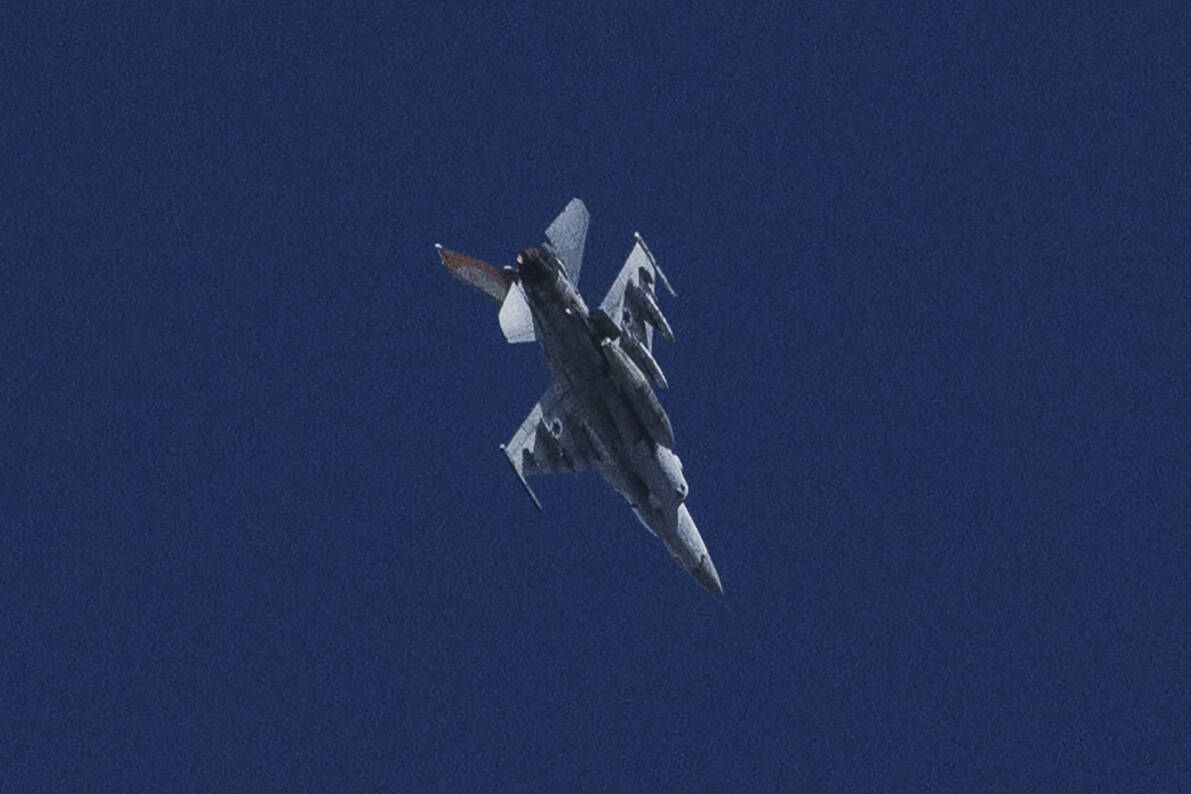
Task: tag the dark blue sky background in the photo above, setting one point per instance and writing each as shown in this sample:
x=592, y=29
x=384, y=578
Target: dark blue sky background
x=930, y=388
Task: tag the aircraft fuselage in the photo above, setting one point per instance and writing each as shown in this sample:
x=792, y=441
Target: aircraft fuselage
x=628, y=454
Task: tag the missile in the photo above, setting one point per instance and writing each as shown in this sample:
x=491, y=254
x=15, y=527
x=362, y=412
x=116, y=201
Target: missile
x=644, y=302
x=643, y=359
x=640, y=396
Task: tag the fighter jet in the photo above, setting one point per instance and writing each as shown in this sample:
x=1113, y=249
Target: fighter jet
x=599, y=412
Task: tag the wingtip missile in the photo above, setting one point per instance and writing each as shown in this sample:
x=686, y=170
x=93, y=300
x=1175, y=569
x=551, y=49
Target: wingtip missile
x=645, y=303
x=521, y=476
x=656, y=268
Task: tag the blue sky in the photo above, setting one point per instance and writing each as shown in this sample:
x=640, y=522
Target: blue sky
x=929, y=388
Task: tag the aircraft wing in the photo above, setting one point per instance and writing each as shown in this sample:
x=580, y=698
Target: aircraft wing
x=567, y=235
x=552, y=439
x=631, y=302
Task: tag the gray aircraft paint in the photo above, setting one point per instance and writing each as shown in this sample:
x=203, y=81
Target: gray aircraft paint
x=599, y=411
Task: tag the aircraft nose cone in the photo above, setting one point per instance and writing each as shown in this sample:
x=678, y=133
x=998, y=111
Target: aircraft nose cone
x=705, y=573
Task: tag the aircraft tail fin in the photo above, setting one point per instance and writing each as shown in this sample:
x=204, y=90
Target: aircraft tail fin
x=516, y=320
x=477, y=273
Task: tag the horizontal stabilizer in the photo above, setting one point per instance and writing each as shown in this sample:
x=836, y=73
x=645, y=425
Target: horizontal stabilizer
x=516, y=319
x=567, y=235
